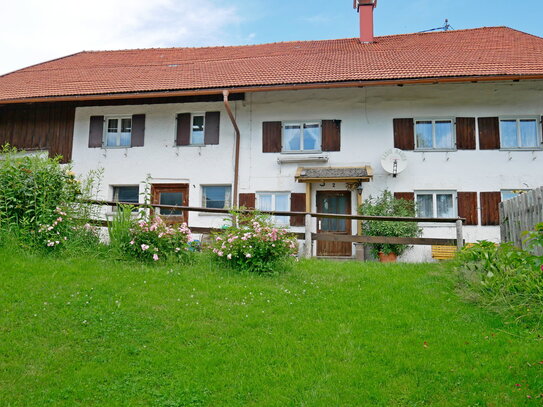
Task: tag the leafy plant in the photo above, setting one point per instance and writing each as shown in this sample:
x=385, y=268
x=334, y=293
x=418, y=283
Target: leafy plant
x=120, y=228
x=41, y=201
x=506, y=278
x=152, y=240
x=254, y=245
x=387, y=205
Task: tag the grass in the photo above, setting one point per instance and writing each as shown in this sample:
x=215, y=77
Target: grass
x=91, y=332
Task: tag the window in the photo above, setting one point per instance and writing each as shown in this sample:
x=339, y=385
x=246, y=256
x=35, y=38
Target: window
x=519, y=133
x=217, y=197
x=302, y=136
x=274, y=201
x=436, y=204
x=197, y=129
x=129, y=194
x=434, y=134
x=511, y=193
x=171, y=194
x=118, y=132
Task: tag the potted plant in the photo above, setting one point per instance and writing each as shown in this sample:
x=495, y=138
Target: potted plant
x=387, y=205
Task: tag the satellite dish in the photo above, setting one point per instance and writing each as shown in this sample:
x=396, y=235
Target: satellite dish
x=394, y=161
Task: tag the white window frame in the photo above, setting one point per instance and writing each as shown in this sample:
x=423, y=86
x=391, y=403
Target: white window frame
x=301, y=123
x=279, y=220
x=228, y=204
x=192, y=116
x=434, y=200
x=106, y=132
x=537, y=120
x=434, y=120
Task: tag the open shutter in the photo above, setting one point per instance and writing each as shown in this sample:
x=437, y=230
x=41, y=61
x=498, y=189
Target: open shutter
x=211, y=129
x=465, y=133
x=271, y=137
x=96, y=131
x=297, y=204
x=247, y=200
x=408, y=196
x=183, y=130
x=489, y=133
x=490, y=213
x=467, y=207
x=138, y=130
x=331, y=135
x=404, y=134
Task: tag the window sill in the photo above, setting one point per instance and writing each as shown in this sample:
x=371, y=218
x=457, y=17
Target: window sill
x=435, y=150
x=301, y=158
x=510, y=149
x=207, y=214
x=115, y=147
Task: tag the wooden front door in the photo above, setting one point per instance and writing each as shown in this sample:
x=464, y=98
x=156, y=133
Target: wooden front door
x=334, y=202
x=171, y=194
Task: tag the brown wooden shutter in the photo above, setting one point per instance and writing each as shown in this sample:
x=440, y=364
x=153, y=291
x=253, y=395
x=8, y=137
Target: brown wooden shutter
x=404, y=134
x=271, y=137
x=490, y=214
x=138, y=130
x=297, y=204
x=467, y=207
x=183, y=129
x=211, y=129
x=408, y=196
x=247, y=200
x=96, y=131
x=331, y=135
x=489, y=133
x=465, y=133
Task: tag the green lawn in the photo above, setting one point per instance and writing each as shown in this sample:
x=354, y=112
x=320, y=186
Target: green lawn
x=87, y=332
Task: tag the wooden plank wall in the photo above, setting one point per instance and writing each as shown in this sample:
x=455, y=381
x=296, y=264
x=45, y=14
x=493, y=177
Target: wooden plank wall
x=520, y=214
x=39, y=126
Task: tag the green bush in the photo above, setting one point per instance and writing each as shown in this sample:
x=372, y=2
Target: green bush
x=388, y=205
x=256, y=245
x=41, y=200
x=505, y=278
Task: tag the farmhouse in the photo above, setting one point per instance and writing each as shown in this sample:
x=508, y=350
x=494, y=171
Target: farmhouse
x=299, y=125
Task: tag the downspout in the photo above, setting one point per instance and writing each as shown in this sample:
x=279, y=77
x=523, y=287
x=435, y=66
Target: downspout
x=237, y=141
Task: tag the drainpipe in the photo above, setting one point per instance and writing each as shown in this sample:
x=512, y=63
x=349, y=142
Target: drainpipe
x=225, y=94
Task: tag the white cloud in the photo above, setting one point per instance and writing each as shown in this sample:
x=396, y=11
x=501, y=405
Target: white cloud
x=33, y=31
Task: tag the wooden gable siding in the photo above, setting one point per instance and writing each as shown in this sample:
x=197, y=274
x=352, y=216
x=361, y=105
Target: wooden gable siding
x=39, y=126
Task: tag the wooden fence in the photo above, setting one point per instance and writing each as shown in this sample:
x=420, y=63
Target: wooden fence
x=309, y=237
x=520, y=214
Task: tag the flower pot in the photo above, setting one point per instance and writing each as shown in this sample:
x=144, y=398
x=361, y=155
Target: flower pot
x=387, y=258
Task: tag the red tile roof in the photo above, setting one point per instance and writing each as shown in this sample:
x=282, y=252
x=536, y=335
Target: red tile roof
x=482, y=52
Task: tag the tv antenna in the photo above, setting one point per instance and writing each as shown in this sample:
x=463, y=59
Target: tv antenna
x=446, y=27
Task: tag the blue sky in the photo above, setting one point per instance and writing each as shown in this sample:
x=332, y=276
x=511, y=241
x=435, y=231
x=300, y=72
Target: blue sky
x=33, y=31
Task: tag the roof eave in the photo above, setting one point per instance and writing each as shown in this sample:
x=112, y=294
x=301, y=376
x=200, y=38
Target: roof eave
x=264, y=88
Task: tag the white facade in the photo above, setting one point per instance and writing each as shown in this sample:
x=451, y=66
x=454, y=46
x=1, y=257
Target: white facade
x=366, y=116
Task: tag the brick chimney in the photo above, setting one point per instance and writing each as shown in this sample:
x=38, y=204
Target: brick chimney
x=365, y=9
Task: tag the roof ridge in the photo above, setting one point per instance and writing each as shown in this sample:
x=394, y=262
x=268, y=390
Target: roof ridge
x=295, y=41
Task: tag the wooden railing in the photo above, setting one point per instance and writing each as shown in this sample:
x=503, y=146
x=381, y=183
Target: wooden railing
x=309, y=236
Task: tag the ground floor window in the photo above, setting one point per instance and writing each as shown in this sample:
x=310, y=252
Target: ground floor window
x=274, y=201
x=216, y=196
x=174, y=195
x=126, y=193
x=436, y=204
x=511, y=193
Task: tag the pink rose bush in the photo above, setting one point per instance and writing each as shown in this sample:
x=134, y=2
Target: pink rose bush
x=154, y=240
x=256, y=245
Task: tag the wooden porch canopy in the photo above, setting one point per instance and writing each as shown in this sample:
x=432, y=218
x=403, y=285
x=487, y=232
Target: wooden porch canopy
x=334, y=174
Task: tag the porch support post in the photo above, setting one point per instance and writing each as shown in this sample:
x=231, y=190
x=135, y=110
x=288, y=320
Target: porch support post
x=308, y=197
x=308, y=243
x=459, y=235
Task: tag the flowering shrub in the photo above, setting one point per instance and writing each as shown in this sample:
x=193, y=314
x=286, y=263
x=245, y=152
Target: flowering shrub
x=41, y=200
x=154, y=240
x=254, y=246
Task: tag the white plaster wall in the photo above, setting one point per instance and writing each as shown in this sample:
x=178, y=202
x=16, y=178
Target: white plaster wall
x=367, y=131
